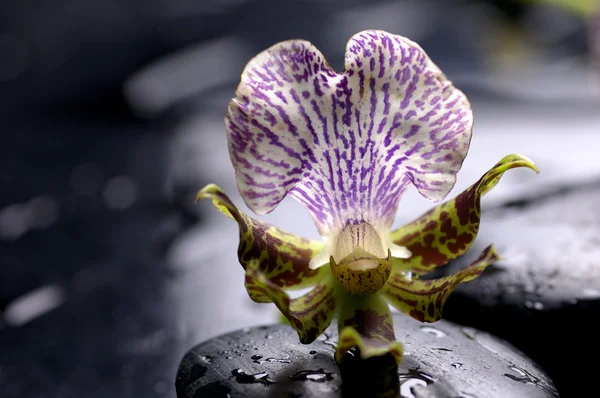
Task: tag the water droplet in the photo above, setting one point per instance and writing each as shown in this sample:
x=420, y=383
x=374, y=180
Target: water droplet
x=523, y=376
x=245, y=378
x=313, y=352
x=469, y=332
x=318, y=376
x=268, y=337
x=407, y=386
x=412, y=378
x=456, y=365
x=328, y=340
x=285, y=359
x=442, y=349
x=206, y=358
x=433, y=331
x=228, y=357
x=416, y=373
x=256, y=358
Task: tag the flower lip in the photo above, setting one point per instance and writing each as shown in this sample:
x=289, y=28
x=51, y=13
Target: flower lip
x=361, y=273
x=363, y=264
x=361, y=235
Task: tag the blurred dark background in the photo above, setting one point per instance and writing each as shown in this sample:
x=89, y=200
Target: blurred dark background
x=111, y=119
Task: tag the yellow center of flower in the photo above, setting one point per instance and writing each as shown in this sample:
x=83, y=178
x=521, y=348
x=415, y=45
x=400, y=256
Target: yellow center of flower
x=363, y=266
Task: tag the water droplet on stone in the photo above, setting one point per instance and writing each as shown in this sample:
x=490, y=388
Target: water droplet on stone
x=412, y=378
x=442, y=349
x=407, y=386
x=255, y=358
x=329, y=340
x=206, y=358
x=433, y=331
x=245, y=378
x=416, y=373
x=313, y=352
x=318, y=376
x=469, y=332
x=456, y=365
x=522, y=376
x=285, y=359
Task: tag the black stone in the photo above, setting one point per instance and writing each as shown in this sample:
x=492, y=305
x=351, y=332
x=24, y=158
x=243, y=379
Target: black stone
x=543, y=294
x=440, y=360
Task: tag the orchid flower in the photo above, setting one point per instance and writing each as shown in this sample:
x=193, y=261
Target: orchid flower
x=347, y=145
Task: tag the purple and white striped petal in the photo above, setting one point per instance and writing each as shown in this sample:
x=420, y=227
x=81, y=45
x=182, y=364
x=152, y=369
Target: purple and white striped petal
x=346, y=145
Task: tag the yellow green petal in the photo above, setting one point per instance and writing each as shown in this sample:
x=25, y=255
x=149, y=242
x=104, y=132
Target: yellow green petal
x=309, y=314
x=283, y=258
x=425, y=299
x=448, y=230
x=365, y=322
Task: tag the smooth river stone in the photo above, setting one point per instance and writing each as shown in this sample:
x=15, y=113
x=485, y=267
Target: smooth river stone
x=542, y=296
x=440, y=360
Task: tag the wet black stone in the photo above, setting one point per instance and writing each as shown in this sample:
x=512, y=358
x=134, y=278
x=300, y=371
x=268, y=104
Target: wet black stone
x=544, y=292
x=440, y=360
x=214, y=389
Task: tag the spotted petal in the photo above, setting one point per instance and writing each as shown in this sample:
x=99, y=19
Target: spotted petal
x=346, y=144
x=448, y=230
x=309, y=314
x=425, y=299
x=283, y=258
x=366, y=323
